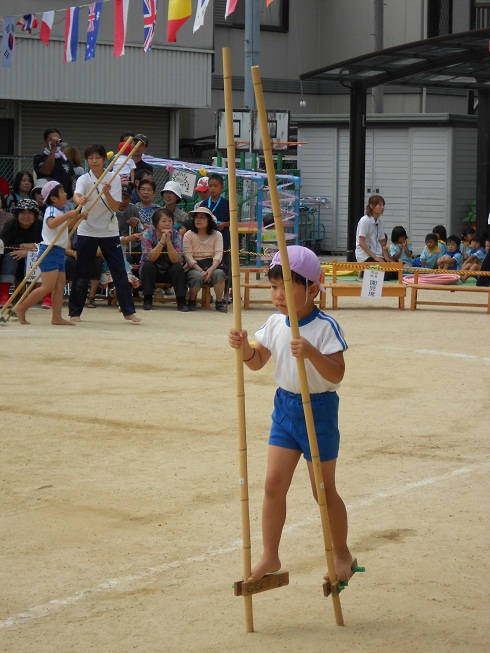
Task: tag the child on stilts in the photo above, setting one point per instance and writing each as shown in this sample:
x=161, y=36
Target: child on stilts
x=321, y=344
x=53, y=277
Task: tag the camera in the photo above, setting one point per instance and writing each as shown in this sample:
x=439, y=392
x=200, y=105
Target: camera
x=57, y=143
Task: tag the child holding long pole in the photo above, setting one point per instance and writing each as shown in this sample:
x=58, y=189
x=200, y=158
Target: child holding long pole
x=321, y=344
x=53, y=277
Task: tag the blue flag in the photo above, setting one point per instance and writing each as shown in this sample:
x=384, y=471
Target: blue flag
x=94, y=11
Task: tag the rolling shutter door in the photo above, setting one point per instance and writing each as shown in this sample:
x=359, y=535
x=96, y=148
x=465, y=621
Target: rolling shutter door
x=83, y=124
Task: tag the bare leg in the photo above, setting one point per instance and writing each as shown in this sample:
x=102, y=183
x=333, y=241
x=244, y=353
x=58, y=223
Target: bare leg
x=337, y=516
x=38, y=294
x=281, y=464
x=57, y=301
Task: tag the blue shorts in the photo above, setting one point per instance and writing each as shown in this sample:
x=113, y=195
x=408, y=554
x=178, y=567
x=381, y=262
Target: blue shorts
x=288, y=428
x=54, y=260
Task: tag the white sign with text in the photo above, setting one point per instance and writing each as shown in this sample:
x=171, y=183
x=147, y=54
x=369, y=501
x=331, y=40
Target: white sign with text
x=31, y=258
x=372, y=284
x=187, y=181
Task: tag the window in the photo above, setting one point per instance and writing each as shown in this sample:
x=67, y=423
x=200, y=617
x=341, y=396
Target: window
x=274, y=18
x=480, y=14
x=440, y=17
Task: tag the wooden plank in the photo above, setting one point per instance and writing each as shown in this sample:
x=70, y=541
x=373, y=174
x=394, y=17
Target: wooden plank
x=268, y=582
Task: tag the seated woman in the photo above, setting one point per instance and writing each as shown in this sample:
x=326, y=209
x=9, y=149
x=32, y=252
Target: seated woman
x=161, y=259
x=203, y=251
x=21, y=189
x=18, y=235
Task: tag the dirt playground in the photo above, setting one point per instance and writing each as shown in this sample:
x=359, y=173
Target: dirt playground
x=120, y=527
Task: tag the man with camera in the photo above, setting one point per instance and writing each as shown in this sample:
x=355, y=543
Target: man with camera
x=52, y=163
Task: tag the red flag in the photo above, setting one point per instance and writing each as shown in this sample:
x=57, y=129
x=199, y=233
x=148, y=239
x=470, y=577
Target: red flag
x=230, y=7
x=120, y=22
x=46, y=25
x=178, y=12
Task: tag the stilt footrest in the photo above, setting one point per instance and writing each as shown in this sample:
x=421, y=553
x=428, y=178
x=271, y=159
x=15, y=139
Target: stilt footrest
x=336, y=587
x=268, y=582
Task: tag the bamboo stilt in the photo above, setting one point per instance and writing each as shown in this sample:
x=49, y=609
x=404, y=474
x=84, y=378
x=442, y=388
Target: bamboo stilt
x=310, y=425
x=237, y=323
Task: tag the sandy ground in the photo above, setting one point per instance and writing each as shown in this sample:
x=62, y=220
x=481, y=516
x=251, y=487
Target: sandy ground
x=120, y=518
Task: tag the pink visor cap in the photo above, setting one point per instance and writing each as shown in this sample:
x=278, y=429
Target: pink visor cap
x=302, y=261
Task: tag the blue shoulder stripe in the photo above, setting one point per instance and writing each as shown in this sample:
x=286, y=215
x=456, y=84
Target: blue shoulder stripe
x=336, y=328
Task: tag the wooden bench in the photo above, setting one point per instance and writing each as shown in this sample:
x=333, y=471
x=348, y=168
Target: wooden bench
x=248, y=285
x=416, y=286
x=353, y=288
x=205, y=300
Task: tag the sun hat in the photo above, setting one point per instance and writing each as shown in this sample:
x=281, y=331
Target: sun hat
x=202, y=185
x=39, y=185
x=172, y=187
x=26, y=205
x=48, y=187
x=302, y=261
x=203, y=209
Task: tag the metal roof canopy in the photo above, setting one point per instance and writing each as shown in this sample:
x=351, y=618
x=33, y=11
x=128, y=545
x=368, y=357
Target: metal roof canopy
x=451, y=61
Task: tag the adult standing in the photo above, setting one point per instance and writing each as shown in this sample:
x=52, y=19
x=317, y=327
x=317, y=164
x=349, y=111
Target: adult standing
x=370, y=230
x=99, y=230
x=52, y=163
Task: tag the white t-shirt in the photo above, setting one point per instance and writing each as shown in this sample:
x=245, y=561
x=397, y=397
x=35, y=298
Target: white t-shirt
x=320, y=329
x=373, y=231
x=48, y=234
x=125, y=172
x=101, y=221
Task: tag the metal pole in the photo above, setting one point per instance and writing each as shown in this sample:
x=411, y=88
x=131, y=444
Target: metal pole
x=252, y=48
x=377, y=92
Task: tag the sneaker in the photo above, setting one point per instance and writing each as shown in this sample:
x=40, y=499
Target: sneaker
x=168, y=292
x=221, y=307
x=192, y=304
x=182, y=307
x=147, y=306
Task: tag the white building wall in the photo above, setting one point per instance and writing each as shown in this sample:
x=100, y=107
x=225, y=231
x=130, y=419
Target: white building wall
x=426, y=174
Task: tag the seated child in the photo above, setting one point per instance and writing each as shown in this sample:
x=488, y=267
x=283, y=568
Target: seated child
x=400, y=247
x=453, y=258
x=384, y=248
x=441, y=233
x=431, y=252
x=466, y=237
x=476, y=255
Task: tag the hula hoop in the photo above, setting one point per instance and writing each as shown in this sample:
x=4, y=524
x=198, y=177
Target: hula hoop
x=435, y=279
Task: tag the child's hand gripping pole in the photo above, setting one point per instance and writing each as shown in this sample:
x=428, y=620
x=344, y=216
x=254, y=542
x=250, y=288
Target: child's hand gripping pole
x=293, y=318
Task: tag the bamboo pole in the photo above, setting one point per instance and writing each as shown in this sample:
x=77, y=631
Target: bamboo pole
x=293, y=319
x=65, y=226
x=237, y=323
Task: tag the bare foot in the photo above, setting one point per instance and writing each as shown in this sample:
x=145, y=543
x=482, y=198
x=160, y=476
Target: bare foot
x=74, y=318
x=132, y=318
x=21, y=314
x=343, y=566
x=63, y=322
x=267, y=565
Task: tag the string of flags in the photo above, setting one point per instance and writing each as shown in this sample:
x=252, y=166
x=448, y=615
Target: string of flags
x=179, y=11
